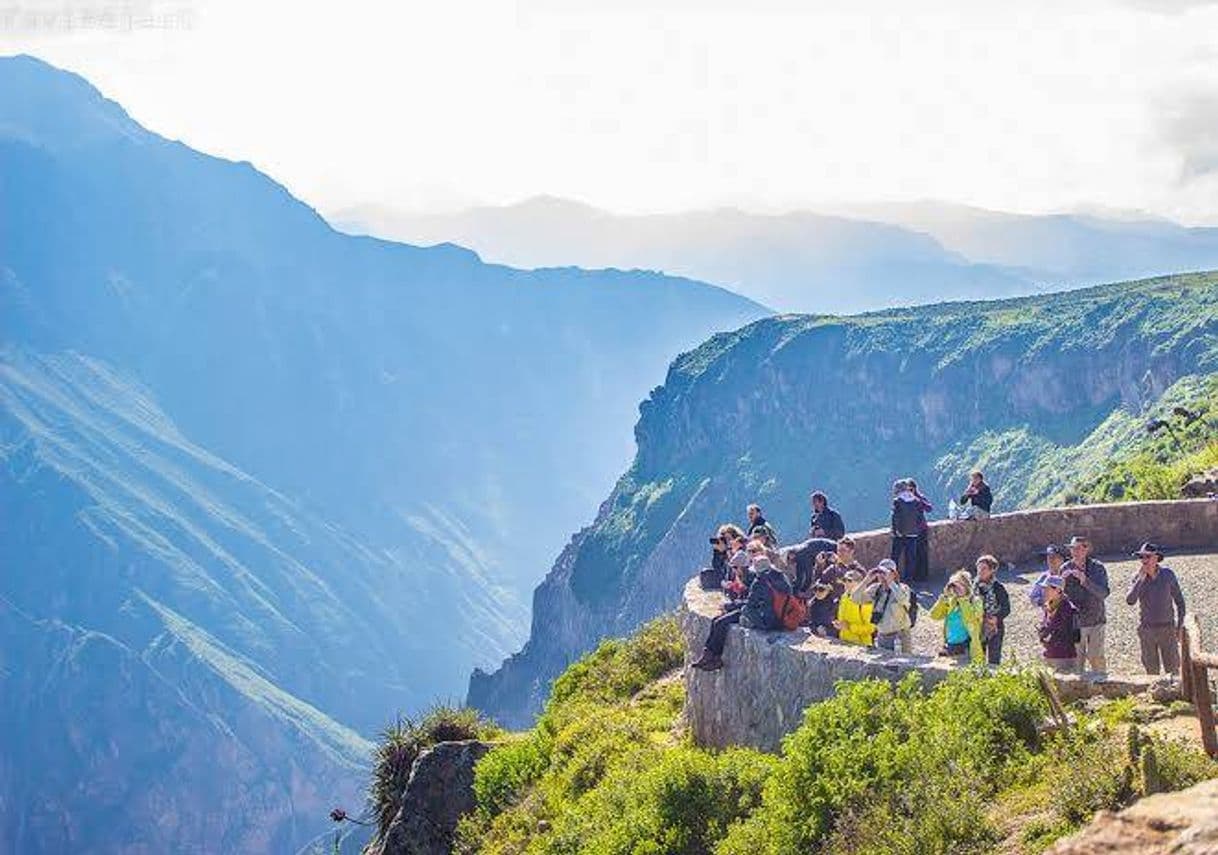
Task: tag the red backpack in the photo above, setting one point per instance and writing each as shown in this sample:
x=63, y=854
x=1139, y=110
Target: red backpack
x=790, y=610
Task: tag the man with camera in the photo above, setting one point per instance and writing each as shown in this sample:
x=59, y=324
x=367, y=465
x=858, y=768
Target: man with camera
x=1086, y=586
x=890, y=611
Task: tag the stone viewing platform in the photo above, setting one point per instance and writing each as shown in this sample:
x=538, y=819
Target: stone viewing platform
x=769, y=678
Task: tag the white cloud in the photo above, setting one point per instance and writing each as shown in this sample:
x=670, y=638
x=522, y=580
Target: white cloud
x=641, y=106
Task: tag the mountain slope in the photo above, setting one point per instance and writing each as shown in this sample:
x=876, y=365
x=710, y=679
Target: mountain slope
x=284, y=481
x=1040, y=390
x=800, y=261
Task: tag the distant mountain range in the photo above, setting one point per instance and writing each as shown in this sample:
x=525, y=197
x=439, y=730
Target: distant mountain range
x=858, y=258
x=1040, y=392
x=265, y=484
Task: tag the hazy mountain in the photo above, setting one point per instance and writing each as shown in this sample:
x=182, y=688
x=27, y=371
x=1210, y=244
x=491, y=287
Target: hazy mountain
x=264, y=483
x=793, y=262
x=859, y=258
x=1079, y=248
x=1040, y=392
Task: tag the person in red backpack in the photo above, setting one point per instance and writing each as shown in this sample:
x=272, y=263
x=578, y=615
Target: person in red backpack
x=757, y=611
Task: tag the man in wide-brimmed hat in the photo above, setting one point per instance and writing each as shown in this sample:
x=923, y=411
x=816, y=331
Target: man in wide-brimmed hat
x=1156, y=591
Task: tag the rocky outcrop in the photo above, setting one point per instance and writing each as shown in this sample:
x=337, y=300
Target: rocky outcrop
x=1183, y=823
x=440, y=790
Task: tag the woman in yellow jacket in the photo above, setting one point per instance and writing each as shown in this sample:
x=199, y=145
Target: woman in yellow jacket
x=960, y=610
x=853, y=620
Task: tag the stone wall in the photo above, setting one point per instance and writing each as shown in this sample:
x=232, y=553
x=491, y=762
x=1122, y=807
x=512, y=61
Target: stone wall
x=769, y=678
x=1015, y=537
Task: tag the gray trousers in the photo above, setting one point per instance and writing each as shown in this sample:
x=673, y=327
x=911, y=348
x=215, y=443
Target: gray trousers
x=1160, y=643
x=1091, y=649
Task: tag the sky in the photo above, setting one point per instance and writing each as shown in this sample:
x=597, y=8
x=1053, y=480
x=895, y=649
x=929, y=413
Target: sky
x=667, y=105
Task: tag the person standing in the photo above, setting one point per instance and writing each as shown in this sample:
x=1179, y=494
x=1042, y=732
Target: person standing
x=1055, y=557
x=908, y=525
x=996, y=607
x=921, y=570
x=890, y=598
x=1087, y=588
x=1156, y=592
x=1058, y=627
x=825, y=521
x=960, y=611
x=977, y=500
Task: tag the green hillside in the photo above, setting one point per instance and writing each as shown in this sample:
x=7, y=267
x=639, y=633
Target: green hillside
x=608, y=770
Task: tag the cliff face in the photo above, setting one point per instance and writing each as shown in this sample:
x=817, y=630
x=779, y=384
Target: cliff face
x=1037, y=391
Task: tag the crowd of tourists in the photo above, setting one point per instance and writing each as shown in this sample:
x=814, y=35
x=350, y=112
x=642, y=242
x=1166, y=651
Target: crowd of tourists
x=820, y=584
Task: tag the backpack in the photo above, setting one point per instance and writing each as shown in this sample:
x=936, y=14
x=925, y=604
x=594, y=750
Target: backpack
x=710, y=579
x=790, y=610
x=906, y=518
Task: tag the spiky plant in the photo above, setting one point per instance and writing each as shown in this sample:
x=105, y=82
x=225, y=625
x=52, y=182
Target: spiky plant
x=1150, y=779
x=448, y=723
x=396, y=751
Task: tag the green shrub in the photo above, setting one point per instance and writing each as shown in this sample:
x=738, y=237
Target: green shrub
x=849, y=769
x=619, y=668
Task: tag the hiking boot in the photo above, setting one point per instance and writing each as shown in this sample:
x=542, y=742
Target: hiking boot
x=708, y=662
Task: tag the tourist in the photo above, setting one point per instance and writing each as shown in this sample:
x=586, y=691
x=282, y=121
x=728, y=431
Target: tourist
x=822, y=610
x=890, y=598
x=854, y=620
x=825, y=522
x=740, y=576
x=758, y=527
x=921, y=571
x=1087, y=588
x=977, y=500
x=802, y=557
x=996, y=607
x=1156, y=591
x=960, y=610
x=1055, y=557
x=908, y=528
x=756, y=612
x=1058, y=629
x=845, y=555
x=713, y=577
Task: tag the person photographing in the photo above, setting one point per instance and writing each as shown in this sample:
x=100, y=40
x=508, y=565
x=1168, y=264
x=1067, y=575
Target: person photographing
x=890, y=599
x=1156, y=592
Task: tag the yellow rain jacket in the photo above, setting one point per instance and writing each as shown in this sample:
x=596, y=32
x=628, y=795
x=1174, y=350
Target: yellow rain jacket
x=857, y=627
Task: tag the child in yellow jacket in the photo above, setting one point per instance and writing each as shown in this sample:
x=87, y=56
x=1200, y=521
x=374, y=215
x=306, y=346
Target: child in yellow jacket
x=853, y=620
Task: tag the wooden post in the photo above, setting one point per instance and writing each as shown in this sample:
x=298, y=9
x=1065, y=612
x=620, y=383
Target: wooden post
x=1205, y=709
x=1195, y=663
x=1186, y=660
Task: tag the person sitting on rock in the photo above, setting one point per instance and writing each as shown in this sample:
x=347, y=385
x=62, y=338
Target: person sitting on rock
x=960, y=610
x=853, y=622
x=825, y=521
x=756, y=612
x=1156, y=592
x=1058, y=630
x=740, y=575
x=889, y=598
x=977, y=499
x=714, y=576
x=822, y=610
x=1055, y=557
x=996, y=607
x=758, y=527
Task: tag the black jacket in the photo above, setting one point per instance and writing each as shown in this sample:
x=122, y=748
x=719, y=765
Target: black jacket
x=995, y=599
x=830, y=521
x=758, y=611
x=983, y=498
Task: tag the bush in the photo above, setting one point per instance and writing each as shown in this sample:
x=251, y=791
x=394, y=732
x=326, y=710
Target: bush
x=850, y=769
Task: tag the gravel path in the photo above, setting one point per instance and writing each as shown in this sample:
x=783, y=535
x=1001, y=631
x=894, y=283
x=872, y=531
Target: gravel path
x=1198, y=574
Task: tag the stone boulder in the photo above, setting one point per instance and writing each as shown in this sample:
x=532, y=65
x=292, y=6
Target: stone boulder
x=440, y=790
x=1183, y=823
